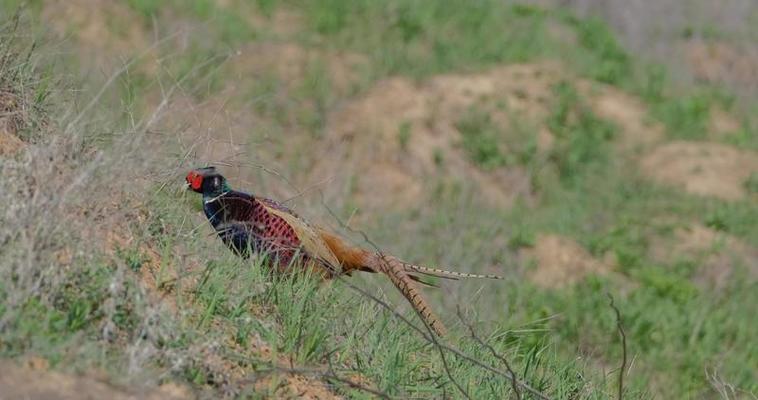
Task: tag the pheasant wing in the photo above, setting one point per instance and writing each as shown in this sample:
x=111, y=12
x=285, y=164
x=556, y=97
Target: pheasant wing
x=310, y=241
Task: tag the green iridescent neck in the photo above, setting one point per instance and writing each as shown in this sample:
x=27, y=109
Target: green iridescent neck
x=211, y=192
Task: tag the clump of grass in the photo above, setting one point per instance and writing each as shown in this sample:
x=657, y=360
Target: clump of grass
x=609, y=62
x=627, y=240
x=24, y=90
x=317, y=97
x=404, y=135
x=686, y=117
x=229, y=26
x=751, y=183
x=63, y=297
x=415, y=40
x=481, y=139
x=581, y=137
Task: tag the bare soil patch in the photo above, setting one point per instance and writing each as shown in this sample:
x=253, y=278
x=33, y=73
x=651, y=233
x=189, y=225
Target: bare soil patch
x=561, y=262
x=10, y=144
x=701, y=168
x=627, y=112
x=719, y=61
x=722, y=123
x=34, y=383
x=11, y=120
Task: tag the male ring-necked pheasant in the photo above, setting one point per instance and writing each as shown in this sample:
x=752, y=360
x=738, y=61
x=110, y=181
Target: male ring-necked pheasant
x=248, y=223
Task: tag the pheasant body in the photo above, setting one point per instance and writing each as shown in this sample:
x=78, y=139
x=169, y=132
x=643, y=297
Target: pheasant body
x=246, y=223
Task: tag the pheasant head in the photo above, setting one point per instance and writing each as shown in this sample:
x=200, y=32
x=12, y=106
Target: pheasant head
x=207, y=181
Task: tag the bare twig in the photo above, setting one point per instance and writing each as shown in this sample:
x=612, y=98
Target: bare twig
x=620, y=328
x=442, y=356
x=514, y=382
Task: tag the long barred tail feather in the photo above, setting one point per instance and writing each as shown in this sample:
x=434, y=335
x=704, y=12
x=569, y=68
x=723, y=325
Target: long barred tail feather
x=441, y=273
x=396, y=271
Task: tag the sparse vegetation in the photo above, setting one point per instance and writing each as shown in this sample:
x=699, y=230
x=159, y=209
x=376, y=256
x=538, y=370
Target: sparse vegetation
x=582, y=137
x=481, y=139
x=105, y=264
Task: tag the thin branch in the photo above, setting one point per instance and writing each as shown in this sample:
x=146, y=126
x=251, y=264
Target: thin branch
x=514, y=382
x=620, y=328
x=442, y=355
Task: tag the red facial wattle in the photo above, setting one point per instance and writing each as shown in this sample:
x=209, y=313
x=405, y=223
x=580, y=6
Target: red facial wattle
x=195, y=180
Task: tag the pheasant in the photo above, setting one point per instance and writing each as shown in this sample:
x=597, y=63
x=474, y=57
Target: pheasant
x=247, y=223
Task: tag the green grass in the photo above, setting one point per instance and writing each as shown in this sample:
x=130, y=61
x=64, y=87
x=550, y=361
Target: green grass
x=686, y=117
x=416, y=38
x=481, y=139
x=581, y=137
x=230, y=26
x=605, y=61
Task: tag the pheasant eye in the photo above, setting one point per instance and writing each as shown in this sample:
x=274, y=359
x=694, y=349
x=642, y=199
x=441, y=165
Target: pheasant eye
x=197, y=181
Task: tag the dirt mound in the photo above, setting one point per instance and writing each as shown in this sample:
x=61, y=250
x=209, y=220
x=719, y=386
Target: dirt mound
x=707, y=169
x=17, y=382
x=627, y=112
x=723, y=62
x=561, y=261
x=716, y=253
x=400, y=133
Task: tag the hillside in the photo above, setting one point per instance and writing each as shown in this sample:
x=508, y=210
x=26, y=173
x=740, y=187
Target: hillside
x=520, y=140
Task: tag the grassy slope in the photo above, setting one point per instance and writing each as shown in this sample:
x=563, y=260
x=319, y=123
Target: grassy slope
x=562, y=341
